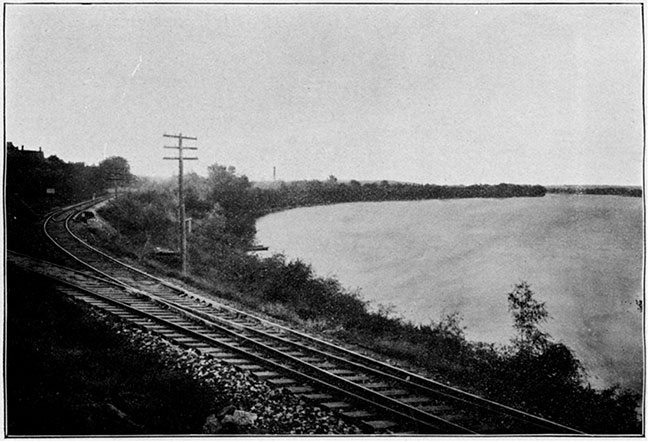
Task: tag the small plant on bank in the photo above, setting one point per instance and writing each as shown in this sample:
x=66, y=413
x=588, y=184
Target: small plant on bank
x=528, y=314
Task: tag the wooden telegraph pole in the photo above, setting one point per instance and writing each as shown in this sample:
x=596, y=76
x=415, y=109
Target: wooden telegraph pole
x=181, y=203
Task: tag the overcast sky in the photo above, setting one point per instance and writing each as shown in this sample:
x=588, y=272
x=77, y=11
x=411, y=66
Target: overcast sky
x=441, y=94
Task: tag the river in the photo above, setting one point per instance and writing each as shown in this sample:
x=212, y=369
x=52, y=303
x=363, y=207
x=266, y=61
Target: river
x=582, y=256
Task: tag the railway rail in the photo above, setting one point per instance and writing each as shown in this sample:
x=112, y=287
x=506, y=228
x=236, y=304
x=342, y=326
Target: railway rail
x=376, y=396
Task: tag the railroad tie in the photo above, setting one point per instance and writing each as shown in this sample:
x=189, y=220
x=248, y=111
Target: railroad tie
x=379, y=424
x=357, y=414
x=317, y=396
x=337, y=405
x=264, y=375
x=281, y=381
x=298, y=389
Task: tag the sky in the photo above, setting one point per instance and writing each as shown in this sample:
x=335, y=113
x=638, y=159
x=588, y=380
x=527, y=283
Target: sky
x=443, y=94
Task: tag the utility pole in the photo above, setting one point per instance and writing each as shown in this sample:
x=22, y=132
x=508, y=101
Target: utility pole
x=181, y=203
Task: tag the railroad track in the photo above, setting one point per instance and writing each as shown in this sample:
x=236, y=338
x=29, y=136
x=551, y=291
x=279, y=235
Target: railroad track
x=376, y=396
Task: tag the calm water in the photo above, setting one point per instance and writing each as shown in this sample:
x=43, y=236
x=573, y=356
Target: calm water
x=582, y=255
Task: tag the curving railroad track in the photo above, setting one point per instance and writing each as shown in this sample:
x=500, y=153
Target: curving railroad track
x=375, y=396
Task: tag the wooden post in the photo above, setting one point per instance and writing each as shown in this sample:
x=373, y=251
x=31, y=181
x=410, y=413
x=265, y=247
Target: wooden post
x=181, y=203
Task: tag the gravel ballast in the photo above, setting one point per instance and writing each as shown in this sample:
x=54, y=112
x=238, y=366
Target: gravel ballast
x=75, y=370
x=276, y=410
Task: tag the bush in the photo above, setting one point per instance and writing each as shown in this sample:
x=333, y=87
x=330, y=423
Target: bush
x=527, y=314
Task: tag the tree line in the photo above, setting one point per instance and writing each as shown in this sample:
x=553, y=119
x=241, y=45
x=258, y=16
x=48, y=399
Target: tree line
x=304, y=193
x=598, y=190
x=231, y=196
x=35, y=182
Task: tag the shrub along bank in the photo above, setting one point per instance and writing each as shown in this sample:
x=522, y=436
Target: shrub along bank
x=534, y=373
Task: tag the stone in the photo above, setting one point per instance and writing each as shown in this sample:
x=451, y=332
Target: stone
x=212, y=425
x=229, y=409
x=240, y=418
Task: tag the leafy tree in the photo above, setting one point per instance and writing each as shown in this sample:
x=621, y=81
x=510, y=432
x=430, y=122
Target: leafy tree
x=528, y=314
x=222, y=180
x=112, y=169
x=233, y=194
x=195, y=193
x=212, y=228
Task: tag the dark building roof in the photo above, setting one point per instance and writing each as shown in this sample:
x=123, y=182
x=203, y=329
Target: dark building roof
x=12, y=150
